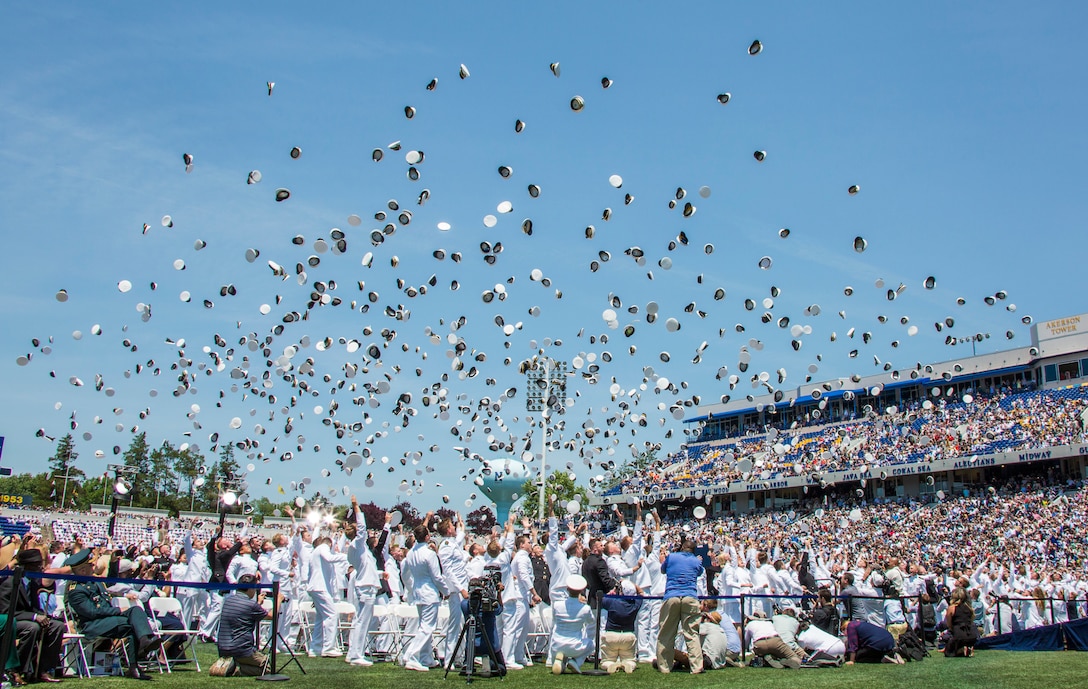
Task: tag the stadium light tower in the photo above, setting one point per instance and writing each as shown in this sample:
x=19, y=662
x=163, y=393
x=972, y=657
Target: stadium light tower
x=547, y=383
x=123, y=476
x=975, y=340
x=231, y=494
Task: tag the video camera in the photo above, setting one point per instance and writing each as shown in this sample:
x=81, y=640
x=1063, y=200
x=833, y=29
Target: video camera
x=484, y=590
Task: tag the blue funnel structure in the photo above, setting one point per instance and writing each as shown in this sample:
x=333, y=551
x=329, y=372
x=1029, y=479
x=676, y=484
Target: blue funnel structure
x=502, y=482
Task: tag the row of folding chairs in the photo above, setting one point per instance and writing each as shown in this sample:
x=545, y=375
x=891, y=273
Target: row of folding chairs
x=395, y=625
x=76, y=645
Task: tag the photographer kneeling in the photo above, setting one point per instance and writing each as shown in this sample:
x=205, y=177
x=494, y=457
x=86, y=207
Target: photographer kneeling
x=238, y=622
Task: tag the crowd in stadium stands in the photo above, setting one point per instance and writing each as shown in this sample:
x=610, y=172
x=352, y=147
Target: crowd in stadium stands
x=140, y=532
x=1015, y=556
x=924, y=431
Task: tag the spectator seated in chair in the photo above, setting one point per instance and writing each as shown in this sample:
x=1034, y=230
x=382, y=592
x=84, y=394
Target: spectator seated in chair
x=95, y=615
x=39, y=636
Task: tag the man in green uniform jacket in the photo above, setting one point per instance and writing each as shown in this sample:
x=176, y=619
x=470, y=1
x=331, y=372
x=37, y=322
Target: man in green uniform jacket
x=96, y=616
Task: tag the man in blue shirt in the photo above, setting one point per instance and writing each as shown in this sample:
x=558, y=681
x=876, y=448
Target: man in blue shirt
x=238, y=622
x=680, y=608
x=868, y=643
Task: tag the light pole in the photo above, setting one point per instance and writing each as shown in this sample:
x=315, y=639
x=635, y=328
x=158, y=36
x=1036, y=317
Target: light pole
x=66, y=475
x=67, y=464
x=547, y=383
x=975, y=340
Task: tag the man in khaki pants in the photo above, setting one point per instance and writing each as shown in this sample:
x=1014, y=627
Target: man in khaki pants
x=618, y=645
x=680, y=609
x=762, y=638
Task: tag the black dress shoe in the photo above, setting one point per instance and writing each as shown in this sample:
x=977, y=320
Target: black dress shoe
x=137, y=673
x=148, y=644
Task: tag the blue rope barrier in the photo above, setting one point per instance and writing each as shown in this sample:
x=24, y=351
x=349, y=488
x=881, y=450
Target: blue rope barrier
x=206, y=585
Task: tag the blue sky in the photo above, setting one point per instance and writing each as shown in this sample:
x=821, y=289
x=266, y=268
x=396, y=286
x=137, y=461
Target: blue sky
x=962, y=125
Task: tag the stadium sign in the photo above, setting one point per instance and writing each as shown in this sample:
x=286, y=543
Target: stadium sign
x=846, y=476
x=7, y=500
x=1062, y=326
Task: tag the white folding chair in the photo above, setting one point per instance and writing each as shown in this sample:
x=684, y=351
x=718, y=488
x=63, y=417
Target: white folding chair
x=384, y=640
x=306, y=615
x=73, y=648
x=76, y=643
x=264, y=628
x=439, y=635
x=345, y=614
x=164, y=606
x=536, y=642
x=407, y=617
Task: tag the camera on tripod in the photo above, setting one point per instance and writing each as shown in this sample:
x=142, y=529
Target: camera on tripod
x=483, y=591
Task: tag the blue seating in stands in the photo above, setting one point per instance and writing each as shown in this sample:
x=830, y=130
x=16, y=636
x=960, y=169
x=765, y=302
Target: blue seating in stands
x=11, y=527
x=886, y=445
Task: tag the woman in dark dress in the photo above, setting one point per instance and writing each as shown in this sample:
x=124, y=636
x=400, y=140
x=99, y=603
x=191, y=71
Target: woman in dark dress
x=960, y=620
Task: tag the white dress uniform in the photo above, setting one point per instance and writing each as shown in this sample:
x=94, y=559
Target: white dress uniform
x=423, y=576
x=363, y=591
x=241, y=565
x=516, y=622
x=277, y=567
x=572, y=630
x=323, y=640
x=194, y=601
x=453, y=558
x=652, y=582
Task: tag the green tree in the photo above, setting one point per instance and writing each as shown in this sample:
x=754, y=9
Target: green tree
x=190, y=460
x=64, y=457
x=228, y=465
x=264, y=507
x=92, y=489
x=143, y=483
x=629, y=469
x=37, y=486
x=559, y=484
x=162, y=460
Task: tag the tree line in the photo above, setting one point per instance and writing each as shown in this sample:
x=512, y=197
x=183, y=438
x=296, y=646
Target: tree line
x=179, y=479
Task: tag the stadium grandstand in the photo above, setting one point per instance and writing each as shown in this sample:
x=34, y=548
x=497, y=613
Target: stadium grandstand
x=925, y=431
x=135, y=526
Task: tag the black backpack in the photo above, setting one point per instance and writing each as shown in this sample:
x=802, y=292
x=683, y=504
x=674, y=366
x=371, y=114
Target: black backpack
x=911, y=647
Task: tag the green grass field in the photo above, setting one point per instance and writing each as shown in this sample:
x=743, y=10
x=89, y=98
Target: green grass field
x=989, y=669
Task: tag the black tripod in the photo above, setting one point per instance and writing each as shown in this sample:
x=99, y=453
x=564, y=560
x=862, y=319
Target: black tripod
x=596, y=670
x=271, y=673
x=473, y=625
